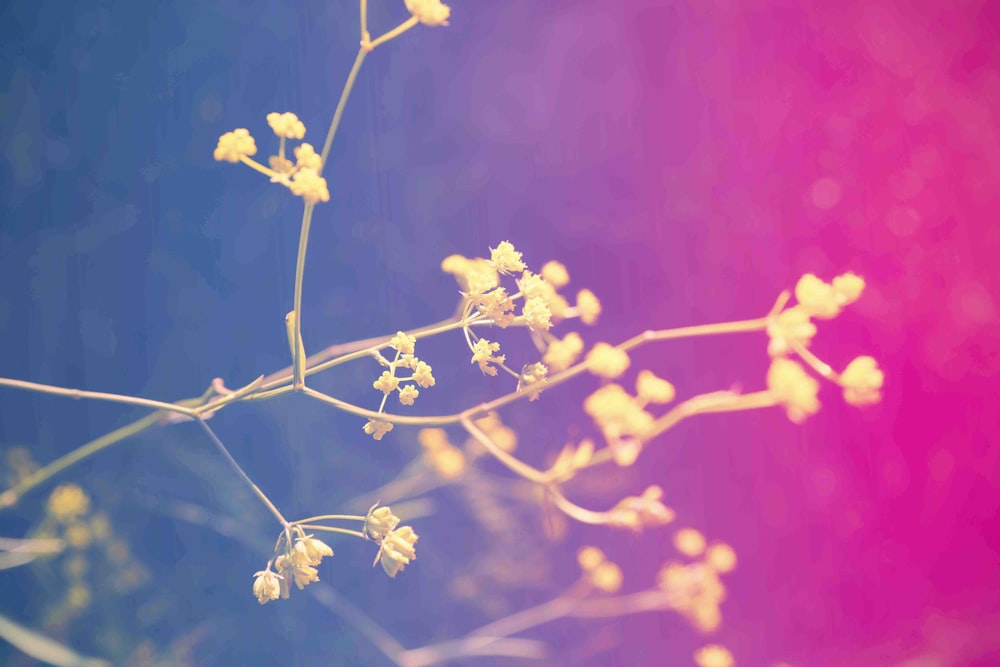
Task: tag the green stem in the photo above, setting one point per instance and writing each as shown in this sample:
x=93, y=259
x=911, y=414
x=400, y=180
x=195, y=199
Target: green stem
x=298, y=381
x=13, y=494
x=246, y=478
x=515, y=464
x=817, y=364
x=330, y=517
x=331, y=529
x=576, y=512
x=395, y=32
x=298, y=363
x=97, y=395
x=341, y=103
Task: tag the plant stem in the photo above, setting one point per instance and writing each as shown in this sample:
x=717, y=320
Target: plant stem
x=246, y=478
x=298, y=381
x=395, y=32
x=341, y=103
x=515, y=464
x=329, y=517
x=574, y=511
x=98, y=396
x=332, y=529
x=257, y=166
x=13, y=494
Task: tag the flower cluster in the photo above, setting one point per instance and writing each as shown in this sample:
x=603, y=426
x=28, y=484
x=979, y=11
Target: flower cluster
x=302, y=177
x=405, y=386
x=606, y=361
x=67, y=502
x=791, y=330
x=396, y=549
x=713, y=655
x=695, y=589
x=483, y=353
x=296, y=564
x=488, y=302
x=622, y=419
x=532, y=379
x=862, y=382
x=562, y=353
x=429, y=12
x=235, y=146
x=793, y=388
x=599, y=572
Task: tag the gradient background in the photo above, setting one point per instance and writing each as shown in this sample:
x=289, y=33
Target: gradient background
x=685, y=160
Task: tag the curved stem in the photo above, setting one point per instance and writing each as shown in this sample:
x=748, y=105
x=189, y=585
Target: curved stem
x=298, y=381
x=515, y=464
x=330, y=517
x=574, y=511
x=332, y=529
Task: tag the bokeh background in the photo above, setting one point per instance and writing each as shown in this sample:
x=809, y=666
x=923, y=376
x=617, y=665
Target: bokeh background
x=686, y=160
